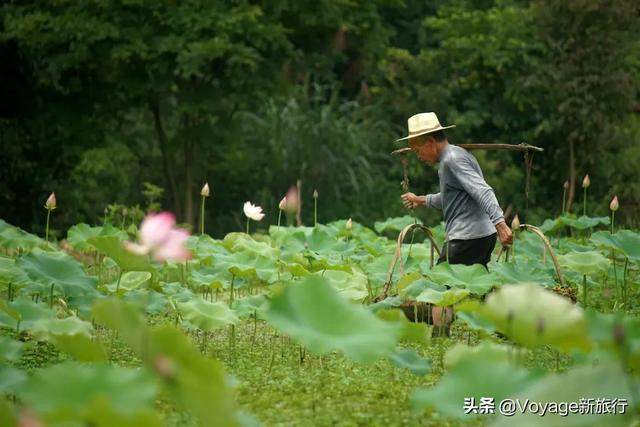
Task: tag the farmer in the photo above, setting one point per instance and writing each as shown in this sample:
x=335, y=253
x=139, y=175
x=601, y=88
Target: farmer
x=471, y=211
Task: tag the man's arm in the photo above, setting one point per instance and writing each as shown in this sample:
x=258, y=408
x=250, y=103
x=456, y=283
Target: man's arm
x=433, y=200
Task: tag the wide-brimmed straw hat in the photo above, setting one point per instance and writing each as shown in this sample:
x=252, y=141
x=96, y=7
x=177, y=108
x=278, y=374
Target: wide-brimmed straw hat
x=423, y=123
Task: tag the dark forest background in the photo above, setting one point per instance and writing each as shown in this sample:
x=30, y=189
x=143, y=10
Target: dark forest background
x=124, y=106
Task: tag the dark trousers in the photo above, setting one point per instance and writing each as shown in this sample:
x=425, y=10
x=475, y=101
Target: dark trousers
x=469, y=252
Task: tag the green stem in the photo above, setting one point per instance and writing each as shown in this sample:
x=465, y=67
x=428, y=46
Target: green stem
x=613, y=217
x=564, y=200
x=279, y=216
x=247, y=225
x=584, y=201
x=118, y=284
x=233, y=278
x=51, y=296
x=315, y=212
x=202, y=216
x=584, y=290
x=46, y=233
x=624, y=284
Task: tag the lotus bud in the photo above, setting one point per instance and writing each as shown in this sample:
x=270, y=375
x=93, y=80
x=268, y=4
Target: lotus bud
x=291, y=200
x=515, y=224
x=565, y=185
x=205, y=190
x=349, y=224
x=51, y=204
x=614, y=204
x=586, y=182
x=283, y=203
x=315, y=194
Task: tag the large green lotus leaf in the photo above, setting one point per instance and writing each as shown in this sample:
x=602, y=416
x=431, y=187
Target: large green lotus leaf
x=177, y=292
x=130, y=280
x=603, y=381
x=416, y=332
x=11, y=273
x=409, y=359
x=523, y=272
x=626, y=241
x=69, y=393
x=322, y=243
x=442, y=298
x=585, y=222
x=387, y=303
x=474, y=278
x=243, y=243
x=112, y=247
x=473, y=320
x=570, y=220
x=249, y=266
x=79, y=234
x=529, y=246
x=81, y=347
x=15, y=238
x=377, y=270
x=352, y=286
x=153, y=302
x=315, y=314
x=48, y=328
x=585, y=263
x=59, y=269
x=10, y=379
x=394, y=225
x=247, y=306
x=207, y=315
x=196, y=383
x=206, y=277
x=22, y=313
x=531, y=315
x=472, y=376
x=203, y=246
x=617, y=333
x=10, y=349
x=496, y=353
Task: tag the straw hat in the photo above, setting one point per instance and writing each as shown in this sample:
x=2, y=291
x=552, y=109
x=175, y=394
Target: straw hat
x=423, y=123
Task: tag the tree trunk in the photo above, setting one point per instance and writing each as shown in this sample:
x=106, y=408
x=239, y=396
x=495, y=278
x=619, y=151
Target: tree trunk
x=154, y=106
x=188, y=180
x=572, y=175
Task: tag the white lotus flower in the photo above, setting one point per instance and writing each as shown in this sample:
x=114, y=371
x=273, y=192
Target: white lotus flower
x=252, y=211
x=205, y=190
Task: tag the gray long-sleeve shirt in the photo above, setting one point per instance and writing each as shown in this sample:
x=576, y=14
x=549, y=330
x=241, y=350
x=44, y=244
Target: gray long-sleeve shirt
x=470, y=207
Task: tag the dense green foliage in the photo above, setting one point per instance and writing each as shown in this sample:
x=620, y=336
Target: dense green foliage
x=285, y=327
x=100, y=98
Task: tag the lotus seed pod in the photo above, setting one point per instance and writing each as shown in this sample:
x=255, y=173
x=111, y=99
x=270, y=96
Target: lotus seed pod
x=315, y=194
x=515, y=224
x=586, y=182
x=614, y=204
x=205, y=190
x=51, y=204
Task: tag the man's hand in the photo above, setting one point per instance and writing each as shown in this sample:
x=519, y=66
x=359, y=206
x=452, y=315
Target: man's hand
x=504, y=233
x=411, y=201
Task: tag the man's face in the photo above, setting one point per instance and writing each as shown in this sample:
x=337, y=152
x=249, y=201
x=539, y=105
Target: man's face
x=425, y=148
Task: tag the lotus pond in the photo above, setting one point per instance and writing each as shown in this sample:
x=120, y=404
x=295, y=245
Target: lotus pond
x=283, y=327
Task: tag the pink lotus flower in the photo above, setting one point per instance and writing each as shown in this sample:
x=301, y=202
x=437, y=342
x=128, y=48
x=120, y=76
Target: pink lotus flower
x=159, y=237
